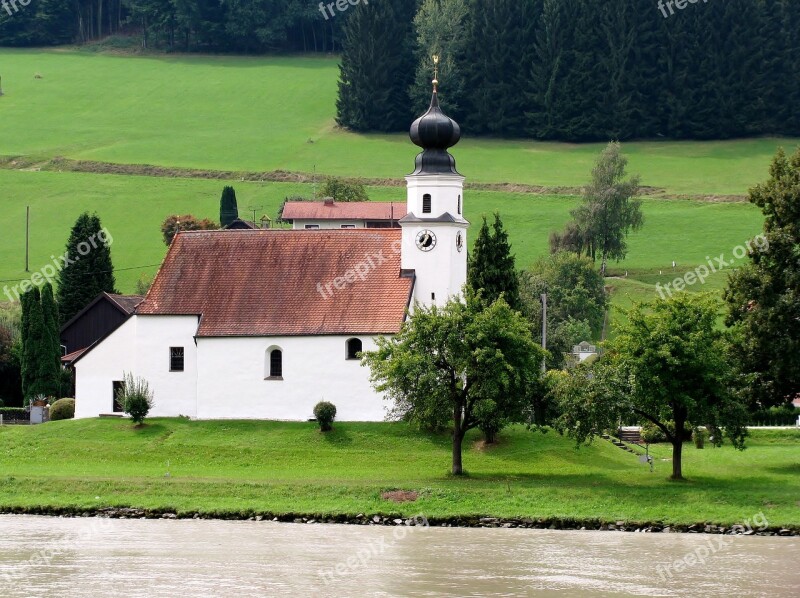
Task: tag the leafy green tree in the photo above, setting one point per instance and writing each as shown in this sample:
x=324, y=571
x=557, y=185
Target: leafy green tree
x=136, y=398
x=763, y=297
x=377, y=67
x=576, y=301
x=228, y=210
x=88, y=270
x=449, y=362
x=173, y=224
x=491, y=267
x=343, y=190
x=668, y=365
x=609, y=210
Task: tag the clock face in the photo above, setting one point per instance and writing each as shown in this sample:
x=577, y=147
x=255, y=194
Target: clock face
x=459, y=241
x=426, y=240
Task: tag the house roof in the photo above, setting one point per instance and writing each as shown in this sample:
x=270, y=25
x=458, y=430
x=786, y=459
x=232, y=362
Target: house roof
x=348, y=210
x=126, y=304
x=70, y=357
x=283, y=282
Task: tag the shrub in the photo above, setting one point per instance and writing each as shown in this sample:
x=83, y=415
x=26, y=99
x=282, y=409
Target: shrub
x=652, y=434
x=13, y=413
x=325, y=413
x=700, y=435
x=175, y=223
x=136, y=398
x=343, y=190
x=62, y=409
x=490, y=422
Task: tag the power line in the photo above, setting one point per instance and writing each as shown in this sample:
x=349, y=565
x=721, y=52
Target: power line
x=93, y=272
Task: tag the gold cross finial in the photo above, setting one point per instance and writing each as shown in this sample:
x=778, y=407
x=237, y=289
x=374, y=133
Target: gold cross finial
x=435, y=71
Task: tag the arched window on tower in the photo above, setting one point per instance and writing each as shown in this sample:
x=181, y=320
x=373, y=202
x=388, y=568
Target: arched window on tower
x=426, y=203
x=274, y=364
x=354, y=347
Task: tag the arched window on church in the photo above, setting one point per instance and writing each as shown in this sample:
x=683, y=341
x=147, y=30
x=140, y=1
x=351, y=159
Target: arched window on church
x=426, y=203
x=274, y=364
x=459, y=205
x=354, y=347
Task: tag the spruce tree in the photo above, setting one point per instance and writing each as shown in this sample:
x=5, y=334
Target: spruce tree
x=88, y=270
x=377, y=67
x=228, y=210
x=492, y=268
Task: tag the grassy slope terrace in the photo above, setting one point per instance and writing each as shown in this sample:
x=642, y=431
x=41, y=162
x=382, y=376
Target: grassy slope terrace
x=237, y=468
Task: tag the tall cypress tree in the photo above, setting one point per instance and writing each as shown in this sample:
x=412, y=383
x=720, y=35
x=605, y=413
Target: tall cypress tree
x=40, y=368
x=377, y=68
x=89, y=270
x=492, y=268
x=228, y=210
x=52, y=340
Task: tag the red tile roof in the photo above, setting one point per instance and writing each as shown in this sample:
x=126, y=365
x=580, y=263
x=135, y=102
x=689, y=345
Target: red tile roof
x=127, y=303
x=69, y=358
x=355, y=210
x=281, y=282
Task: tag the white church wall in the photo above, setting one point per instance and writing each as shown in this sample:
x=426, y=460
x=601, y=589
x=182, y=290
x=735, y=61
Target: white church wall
x=141, y=346
x=98, y=369
x=232, y=384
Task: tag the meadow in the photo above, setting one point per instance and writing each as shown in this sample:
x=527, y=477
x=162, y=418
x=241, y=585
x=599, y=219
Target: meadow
x=264, y=114
x=237, y=468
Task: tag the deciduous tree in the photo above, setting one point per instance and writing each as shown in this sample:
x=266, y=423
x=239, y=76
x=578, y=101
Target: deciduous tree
x=451, y=361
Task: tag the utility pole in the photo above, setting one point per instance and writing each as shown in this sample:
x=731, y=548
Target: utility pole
x=27, y=235
x=544, y=330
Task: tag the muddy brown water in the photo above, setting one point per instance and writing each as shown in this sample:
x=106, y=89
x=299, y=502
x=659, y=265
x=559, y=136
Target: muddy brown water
x=55, y=557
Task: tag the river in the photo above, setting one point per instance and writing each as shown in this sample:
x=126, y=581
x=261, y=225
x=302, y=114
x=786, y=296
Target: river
x=62, y=557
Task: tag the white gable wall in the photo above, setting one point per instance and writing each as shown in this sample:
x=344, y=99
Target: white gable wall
x=141, y=346
x=232, y=384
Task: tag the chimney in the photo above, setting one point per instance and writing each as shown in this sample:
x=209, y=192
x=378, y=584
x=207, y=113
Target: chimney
x=328, y=201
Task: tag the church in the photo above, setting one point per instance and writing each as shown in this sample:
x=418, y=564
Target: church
x=263, y=324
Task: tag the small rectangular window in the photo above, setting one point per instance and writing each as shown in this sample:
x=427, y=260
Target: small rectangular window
x=312, y=226
x=348, y=226
x=176, y=359
x=459, y=204
x=426, y=204
x=117, y=388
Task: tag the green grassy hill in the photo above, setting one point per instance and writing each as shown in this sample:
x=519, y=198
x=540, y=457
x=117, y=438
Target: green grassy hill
x=236, y=467
x=264, y=114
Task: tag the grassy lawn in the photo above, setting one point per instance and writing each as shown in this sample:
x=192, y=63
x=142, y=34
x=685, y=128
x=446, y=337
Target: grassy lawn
x=132, y=209
x=272, y=467
x=266, y=113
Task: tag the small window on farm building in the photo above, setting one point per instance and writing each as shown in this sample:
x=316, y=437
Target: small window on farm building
x=426, y=204
x=348, y=226
x=274, y=364
x=312, y=226
x=354, y=347
x=176, y=359
x=117, y=388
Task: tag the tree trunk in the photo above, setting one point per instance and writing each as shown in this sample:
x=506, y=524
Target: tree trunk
x=677, y=451
x=458, y=469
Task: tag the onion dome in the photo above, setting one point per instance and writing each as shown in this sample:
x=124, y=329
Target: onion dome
x=435, y=133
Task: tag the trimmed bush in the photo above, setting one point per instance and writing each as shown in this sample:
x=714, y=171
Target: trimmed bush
x=62, y=409
x=700, y=435
x=136, y=398
x=325, y=413
x=15, y=413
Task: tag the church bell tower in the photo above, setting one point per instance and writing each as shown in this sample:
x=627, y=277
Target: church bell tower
x=435, y=230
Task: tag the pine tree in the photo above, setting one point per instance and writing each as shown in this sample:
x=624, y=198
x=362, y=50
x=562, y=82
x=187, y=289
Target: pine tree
x=228, y=210
x=88, y=271
x=377, y=67
x=491, y=266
